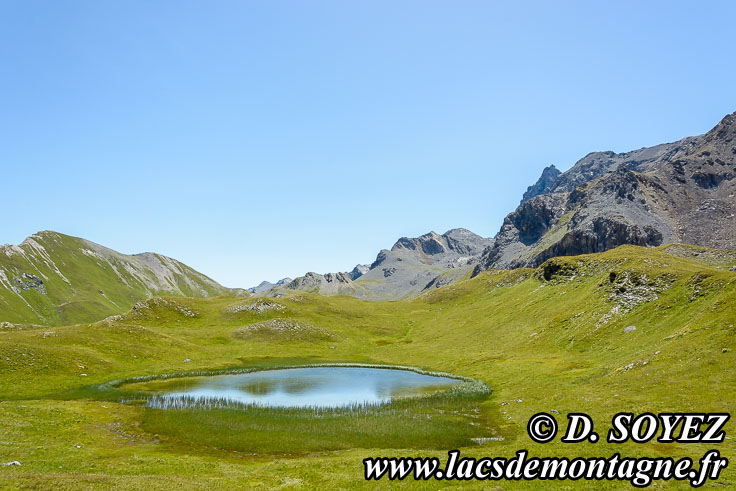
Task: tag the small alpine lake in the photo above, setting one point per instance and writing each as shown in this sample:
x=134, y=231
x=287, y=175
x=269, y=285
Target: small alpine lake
x=304, y=387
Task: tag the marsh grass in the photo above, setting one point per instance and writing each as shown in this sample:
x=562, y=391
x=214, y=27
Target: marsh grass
x=290, y=431
x=441, y=420
x=446, y=418
x=431, y=420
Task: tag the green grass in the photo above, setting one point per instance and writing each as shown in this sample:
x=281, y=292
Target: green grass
x=438, y=419
x=79, y=286
x=272, y=431
x=551, y=343
x=443, y=419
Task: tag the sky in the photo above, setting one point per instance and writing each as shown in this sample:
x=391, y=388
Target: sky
x=254, y=140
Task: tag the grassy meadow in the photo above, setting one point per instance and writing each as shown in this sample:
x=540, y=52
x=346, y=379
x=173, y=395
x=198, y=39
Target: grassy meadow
x=558, y=337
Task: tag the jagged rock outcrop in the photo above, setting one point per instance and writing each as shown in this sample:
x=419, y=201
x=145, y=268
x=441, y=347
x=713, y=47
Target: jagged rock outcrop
x=28, y=282
x=675, y=192
x=415, y=264
x=458, y=240
x=544, y=184
x=596, y=164
x=359, y=271
x=324, y=284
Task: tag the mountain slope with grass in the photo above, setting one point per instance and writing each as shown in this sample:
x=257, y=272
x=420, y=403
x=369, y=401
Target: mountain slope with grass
x=631, y=329
x=54, y=279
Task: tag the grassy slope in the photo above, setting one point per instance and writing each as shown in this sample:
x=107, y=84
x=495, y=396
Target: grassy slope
x=78, y=298
x=537, y=340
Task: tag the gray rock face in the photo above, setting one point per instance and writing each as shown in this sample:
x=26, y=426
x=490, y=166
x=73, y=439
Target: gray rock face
x=697, y=191
x=324, y=284
x=30, y=282
x=359, y=271
x=596, y=164
x=409, y=267
x=265, y=286
x=675, y=192
x=544, y=184
x=465, y=242
x=459, y=241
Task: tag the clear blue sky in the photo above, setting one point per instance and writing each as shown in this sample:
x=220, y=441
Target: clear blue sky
x=256, y=140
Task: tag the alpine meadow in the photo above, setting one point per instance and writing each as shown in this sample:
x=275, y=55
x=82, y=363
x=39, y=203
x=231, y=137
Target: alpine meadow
x=391, y=248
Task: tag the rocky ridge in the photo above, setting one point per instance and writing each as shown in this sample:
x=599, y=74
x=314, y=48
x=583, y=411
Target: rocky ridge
x=265, y=286
x=409, y=267
x=675, y=192
x=544, y=184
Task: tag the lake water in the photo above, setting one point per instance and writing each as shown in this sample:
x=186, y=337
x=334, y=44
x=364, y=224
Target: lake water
x=298, y=387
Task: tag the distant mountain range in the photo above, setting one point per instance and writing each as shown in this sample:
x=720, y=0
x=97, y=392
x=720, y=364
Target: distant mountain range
x=411, y=266
x=51, y=278
x=673, y=192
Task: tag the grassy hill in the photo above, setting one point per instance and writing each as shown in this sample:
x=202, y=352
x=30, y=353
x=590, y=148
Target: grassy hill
x=55, y=279
x=632, y=329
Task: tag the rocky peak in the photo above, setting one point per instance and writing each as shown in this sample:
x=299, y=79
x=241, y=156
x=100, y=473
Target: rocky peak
x=458, y=240
x=544, y=184
x=265, y=286
x=466, y=243
x=673, y=192
x=721, y=139
x=358, y=271
x=429, y=244
x=337, y=277
x=404, y=270
x=326, y=284
x=380, y=258
x=597, y=164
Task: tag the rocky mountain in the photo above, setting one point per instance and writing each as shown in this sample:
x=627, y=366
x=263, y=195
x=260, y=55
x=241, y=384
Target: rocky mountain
x=544, y=184
x=408, y=268
x=51, y=278
x=265, y=286
x=359, y=271
x=674, y=192
x=324, y=284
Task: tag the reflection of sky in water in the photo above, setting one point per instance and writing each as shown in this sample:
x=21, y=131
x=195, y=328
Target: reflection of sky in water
x=318, y=386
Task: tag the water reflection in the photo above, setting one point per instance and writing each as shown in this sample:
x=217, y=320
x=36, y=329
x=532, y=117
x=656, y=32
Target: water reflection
x=259, y=388
x=301, y=387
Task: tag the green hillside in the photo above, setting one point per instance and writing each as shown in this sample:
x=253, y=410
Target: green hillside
x=55, y=279
x=632, y=329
